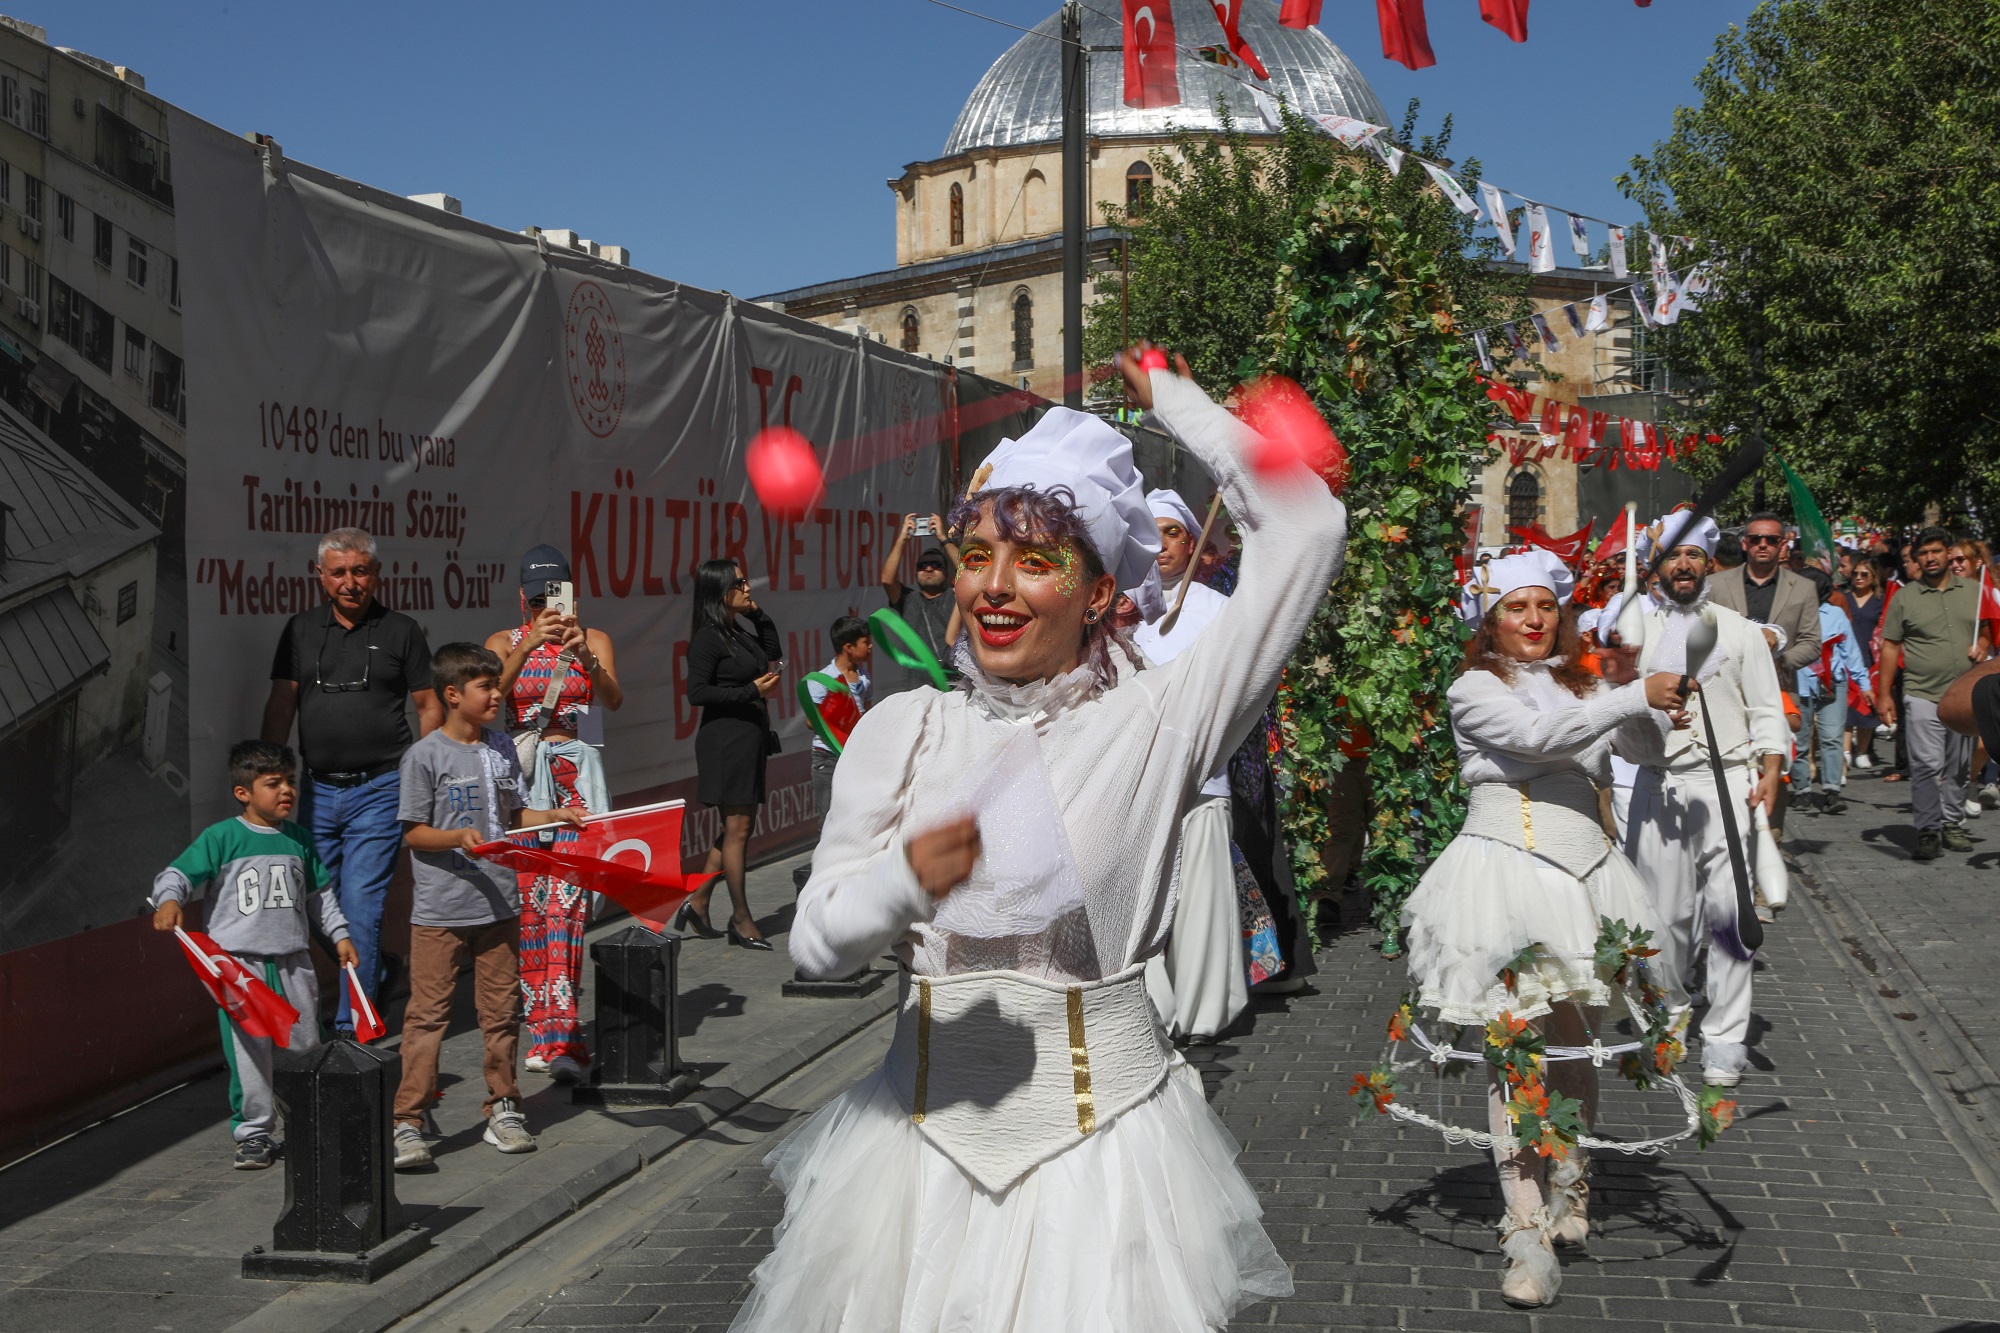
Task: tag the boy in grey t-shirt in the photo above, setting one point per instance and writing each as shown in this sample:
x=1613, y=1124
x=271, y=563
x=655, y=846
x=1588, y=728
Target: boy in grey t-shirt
x=462, y=786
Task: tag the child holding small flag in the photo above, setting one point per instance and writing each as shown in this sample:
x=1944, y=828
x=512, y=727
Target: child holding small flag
x=264, y=869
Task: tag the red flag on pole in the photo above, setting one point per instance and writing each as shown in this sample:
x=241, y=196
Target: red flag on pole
x=1568, y=549
x=1228, y=13
x=1298, y=13
x=1614, y=541
x=1406, y=38
x=632, y=857
x=1989, y=607
x=1150, y=77
x=1509, y=16
x=368, y=1024
x=256, y=1008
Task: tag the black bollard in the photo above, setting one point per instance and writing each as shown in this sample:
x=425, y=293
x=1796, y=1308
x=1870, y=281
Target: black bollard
x=340, y=1221
x=638, y=1031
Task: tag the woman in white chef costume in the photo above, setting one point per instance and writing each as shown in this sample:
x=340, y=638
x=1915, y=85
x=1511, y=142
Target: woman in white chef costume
x=1534, y=730
x=1033, y=1155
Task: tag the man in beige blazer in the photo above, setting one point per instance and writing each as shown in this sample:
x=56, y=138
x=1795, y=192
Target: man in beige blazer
x=1768, y=593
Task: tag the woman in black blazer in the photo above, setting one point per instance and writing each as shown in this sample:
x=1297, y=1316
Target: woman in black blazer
x=732, y=670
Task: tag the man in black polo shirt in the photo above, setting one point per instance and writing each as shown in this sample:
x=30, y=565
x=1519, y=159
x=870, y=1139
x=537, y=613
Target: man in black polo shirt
x=344, y=669
x=926, y=608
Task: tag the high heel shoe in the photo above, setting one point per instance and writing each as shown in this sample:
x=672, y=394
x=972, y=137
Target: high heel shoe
x=688, y=922
x=744, y=941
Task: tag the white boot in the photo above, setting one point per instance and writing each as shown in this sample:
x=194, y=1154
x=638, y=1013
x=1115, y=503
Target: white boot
x=1569, y=1199
x=1533, y=1276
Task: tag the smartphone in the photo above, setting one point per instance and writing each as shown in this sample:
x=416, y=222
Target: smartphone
x=560, y=597
x=922, y=528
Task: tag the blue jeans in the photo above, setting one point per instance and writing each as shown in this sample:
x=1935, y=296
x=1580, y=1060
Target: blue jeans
x=357, y=835
x=1826, y=715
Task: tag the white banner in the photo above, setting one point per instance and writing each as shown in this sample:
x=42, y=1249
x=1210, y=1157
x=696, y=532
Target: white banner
x=465, y=394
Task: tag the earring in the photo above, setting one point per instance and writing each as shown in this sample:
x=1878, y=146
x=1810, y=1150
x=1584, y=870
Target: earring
x=1090, y=617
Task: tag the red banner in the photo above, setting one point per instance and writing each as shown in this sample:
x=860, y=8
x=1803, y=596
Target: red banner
x=1150, y=75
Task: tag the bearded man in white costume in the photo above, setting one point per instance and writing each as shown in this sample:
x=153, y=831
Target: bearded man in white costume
x=1033, y=1155
x=1199, y=983
x=1674, y=832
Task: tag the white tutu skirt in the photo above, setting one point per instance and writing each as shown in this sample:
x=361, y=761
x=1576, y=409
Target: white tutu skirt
x=1483, y=902
x=1145, y=1225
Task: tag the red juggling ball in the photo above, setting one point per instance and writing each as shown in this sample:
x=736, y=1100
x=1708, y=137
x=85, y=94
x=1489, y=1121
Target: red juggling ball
x=784, y=470
x=1293, y=435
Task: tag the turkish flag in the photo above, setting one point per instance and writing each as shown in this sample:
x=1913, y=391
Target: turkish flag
x=1298, y=13
x=632, y=857
x=1228, y=13
x=1509, y=16
x=1568, y=549
x=1614, y=541
x=1989, y=606
x=255, y=1007
x=368, y=1024
x=1150, y=77
x=840, y=712
x=1406, y=38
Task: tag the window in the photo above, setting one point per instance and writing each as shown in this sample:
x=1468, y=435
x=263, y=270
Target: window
x=135, y=353
x=133, y=156
x=38, y=113
x=100, y=240
x=957, y=214
x=910, y=328
x=1138, y=188
x=31, y=281
x=169, y=390
x=128, y=601
x=66, y=313
x=136, y=254
x=66, y=216
x=10, y=98
x=31, y=196
x=1024, y=330
x=173, y=282
x=6, y=267
x=6, y=183
x=1524, y=499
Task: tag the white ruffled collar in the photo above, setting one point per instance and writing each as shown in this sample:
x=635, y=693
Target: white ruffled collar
x=1035, y=699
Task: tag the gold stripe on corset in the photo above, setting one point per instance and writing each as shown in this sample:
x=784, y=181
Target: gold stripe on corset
x=924, y=1051
x=1527, y=818
x=1079, y=1065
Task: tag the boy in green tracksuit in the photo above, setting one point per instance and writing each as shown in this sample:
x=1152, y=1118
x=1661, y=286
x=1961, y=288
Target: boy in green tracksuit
x=263, y=870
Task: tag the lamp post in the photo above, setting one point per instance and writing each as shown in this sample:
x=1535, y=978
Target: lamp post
x=1076, y=211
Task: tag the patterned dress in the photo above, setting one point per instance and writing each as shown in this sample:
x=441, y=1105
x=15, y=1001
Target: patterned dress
x=553, y=912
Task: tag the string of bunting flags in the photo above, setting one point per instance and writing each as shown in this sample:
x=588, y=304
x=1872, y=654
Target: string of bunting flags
x=1555, y=427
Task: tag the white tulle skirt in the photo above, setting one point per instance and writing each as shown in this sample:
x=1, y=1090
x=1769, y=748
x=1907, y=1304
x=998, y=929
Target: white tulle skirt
x=1483, y=903
x=1148, y=1224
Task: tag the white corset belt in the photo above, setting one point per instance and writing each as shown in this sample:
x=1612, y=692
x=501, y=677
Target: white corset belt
x=1001, y=1071
x=1554, y=817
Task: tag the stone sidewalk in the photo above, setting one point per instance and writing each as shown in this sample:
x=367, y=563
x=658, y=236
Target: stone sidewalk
x=139, y=1223
x=1849, y=1196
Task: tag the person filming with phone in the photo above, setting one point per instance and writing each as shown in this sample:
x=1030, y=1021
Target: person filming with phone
x=928, y=607
x=554, y=675
x=733, y=669
x=347, y=670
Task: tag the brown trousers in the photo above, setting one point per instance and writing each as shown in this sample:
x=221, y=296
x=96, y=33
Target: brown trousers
x=437, y=955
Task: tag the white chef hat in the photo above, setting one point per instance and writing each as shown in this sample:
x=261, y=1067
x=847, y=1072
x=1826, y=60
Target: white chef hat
x=1169, y=505
x=1531, y=569
x=1082, y=453
x=1587, y=619
x=1676, y=529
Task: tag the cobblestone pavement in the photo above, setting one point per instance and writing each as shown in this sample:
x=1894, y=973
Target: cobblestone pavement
x=1846, y=1198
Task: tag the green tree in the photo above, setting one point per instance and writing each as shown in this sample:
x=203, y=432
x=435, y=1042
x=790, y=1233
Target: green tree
x=1843, y=170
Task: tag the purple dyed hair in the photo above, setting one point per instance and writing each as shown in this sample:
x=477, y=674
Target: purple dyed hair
x=1025, y=514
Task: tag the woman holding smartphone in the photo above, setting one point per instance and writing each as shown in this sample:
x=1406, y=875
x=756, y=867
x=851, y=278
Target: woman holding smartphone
x=733, y=666
x=553, y=671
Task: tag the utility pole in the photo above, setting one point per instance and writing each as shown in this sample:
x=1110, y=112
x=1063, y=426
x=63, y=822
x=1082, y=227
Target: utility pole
x=1076, y=210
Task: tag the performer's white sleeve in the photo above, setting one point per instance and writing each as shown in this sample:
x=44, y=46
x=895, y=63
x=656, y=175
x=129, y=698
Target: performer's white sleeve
x=1489, y=716
x=1294, y=536
x=1642, y=740
x=863, y=897
x=1769, y=732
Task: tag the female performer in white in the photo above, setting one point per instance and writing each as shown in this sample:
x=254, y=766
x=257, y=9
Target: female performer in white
x=1033, y=1155
x=1534, y=869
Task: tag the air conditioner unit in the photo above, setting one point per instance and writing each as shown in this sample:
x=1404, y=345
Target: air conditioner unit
x=31, y=227
x=30, y=311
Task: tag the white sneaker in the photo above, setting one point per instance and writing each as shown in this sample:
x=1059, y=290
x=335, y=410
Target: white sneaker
x=1721, y=1078
x=507, y=1128
x=563, y=1069
x=1973, y=809
x=535, y=1064
x=412, y=1153
x=1863, y=762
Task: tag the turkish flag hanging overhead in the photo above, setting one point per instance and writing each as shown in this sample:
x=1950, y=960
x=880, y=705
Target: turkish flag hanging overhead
x=255, y=1007
x=1298, y=13
x=632, y=857
x=1151, y=79
x=1509, y=16
x=1229, y=13
x=1568, y=549
x=1406, y=38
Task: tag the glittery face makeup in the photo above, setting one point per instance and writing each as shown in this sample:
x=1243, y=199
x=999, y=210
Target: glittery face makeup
x=1023, y=603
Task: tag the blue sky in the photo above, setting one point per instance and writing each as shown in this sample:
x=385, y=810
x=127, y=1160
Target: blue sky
x=744, y=146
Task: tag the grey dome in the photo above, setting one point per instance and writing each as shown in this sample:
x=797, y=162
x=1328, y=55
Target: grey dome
x=1020, y=99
